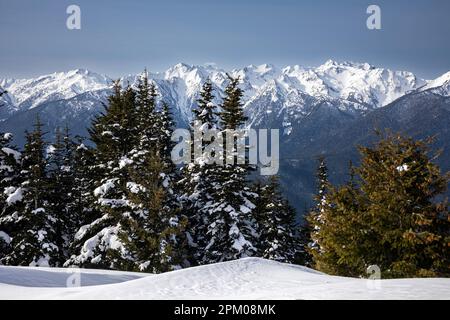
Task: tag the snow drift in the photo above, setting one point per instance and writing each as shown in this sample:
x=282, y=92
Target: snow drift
x=250, y=278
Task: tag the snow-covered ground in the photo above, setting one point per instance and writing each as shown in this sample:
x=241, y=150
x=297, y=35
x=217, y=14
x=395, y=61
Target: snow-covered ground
x=250, y=278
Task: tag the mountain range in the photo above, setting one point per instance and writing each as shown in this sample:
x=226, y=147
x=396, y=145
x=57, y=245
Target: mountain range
x=326, y=110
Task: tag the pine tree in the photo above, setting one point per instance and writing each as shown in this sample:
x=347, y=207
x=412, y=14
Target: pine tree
x=316, y=218
x=83, y=210
x=10, y=192
x=137, y=223
x=199, y=181
x=232, y=232
x=34, y=242
x=276, y=219
x=393, y=220
x=113, y=133
x=152, y=231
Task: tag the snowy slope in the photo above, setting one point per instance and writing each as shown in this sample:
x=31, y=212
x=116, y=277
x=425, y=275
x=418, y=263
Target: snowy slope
x=29, y=93
x=250, y=278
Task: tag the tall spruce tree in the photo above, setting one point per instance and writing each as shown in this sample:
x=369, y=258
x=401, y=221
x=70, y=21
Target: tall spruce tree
x=152, y=231
x=139, y=224
x=199, y=181
x=316, y=217
x=276, y=219
x=35, y=241
x=61, y=184
x=393, y=220
x=113, y=133
x=83, y=210
x=10, y=192
x=232, y=231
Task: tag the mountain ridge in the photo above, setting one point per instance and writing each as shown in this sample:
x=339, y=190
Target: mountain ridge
x=325, y=110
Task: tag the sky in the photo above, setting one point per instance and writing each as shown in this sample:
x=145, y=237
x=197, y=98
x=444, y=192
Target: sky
x=123, y=37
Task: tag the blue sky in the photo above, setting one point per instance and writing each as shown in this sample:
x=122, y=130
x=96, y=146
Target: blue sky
x=121, y=37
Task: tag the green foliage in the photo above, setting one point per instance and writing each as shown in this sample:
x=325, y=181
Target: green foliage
x=391, y=218
x=34, y=242
x=276, y=219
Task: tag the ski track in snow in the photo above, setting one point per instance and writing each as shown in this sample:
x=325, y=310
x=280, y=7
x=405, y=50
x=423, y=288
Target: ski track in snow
x=250, y=278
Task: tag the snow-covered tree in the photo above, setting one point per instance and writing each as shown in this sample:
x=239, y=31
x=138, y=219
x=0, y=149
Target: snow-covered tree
x=276, y=218
x=316, y=218
x=34, y=242
x=200, y=180
x=152, y=229
x=232, y=231
x=136, y=221
x=10, y=192
x=113, y=133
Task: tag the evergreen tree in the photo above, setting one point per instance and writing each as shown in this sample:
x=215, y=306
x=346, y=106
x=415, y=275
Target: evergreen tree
x=84, y=172
x=316, y=218
x=34, y=243
x=60, y=189
x=113, y=133
x=83, y=210
x=137, y=222
x=152, y=231
x=276, y=219
x=232, y=232
x=394, y=220
x=199, y=181
x=10, y=192
x=148, y=122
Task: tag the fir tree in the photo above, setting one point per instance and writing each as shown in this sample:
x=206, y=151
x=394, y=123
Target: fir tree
x=148, y=124
x=232, y=232
x=61, y=185
x=152, y=231
x=394, y=220
x=10, y=192
x=83, y=209
x=276, y=219
x=113, y=133
x=199, y=181
x=316, y=218
x=34, y=243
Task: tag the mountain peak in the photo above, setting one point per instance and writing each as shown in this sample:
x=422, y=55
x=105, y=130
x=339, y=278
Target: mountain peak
x=357, y=65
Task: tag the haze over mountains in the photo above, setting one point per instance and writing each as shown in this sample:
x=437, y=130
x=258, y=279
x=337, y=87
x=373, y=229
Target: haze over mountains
x=319, y=110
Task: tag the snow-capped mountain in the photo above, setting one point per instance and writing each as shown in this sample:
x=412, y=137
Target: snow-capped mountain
x=320, y=110
x=351, y=86
x=440, y=85
x=29, y=93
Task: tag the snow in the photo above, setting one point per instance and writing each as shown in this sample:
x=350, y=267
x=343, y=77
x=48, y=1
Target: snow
x=5, y=237
x=106, y=239
x=12, y=152
x=42, y=277
x=104, y=188
x=358, y=84
x=50, y=150
x=403, y=167
x=13, y=195
x=249, y=278
x=8, y=136
x=134, y=187
x=29, y=93
x=438, y=82
x=124, y=161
